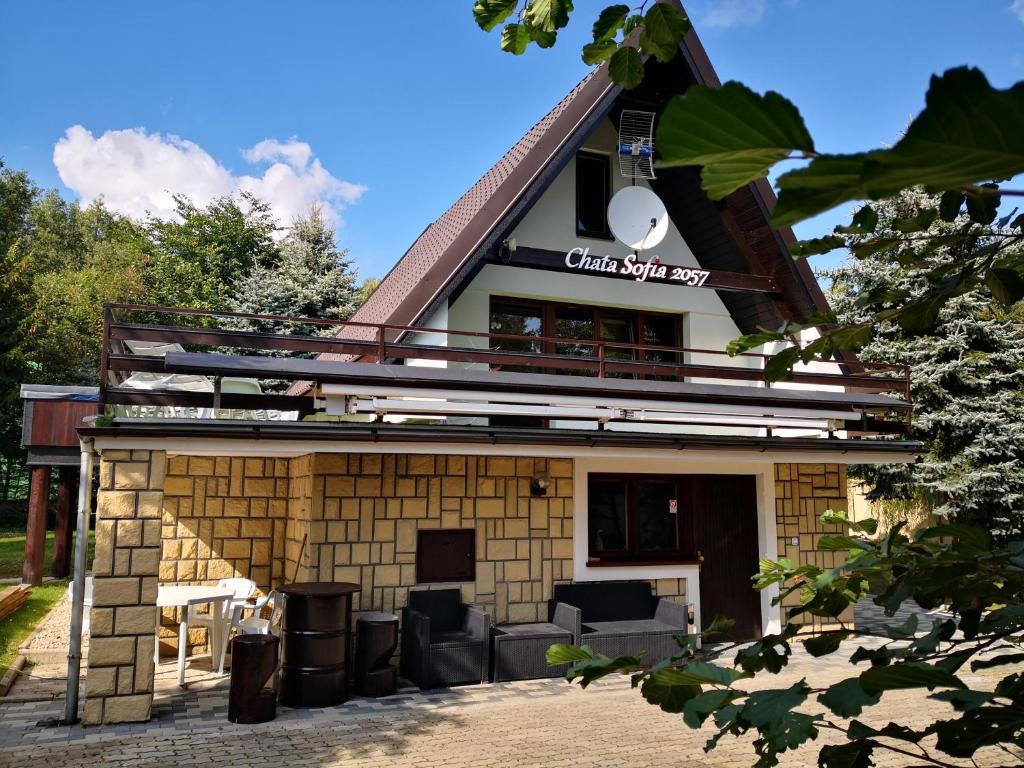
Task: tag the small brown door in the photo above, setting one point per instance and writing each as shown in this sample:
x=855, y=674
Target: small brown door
x=725, y=518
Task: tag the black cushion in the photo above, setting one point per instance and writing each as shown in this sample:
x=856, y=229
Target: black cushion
x=608, y=600
x=443, y=606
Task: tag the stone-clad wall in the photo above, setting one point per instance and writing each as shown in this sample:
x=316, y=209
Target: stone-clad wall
x=367, y=509
x=222, y=517
x=802, y=493
x=119, y=681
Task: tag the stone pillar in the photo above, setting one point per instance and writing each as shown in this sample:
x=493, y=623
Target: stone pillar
x=119, y=682
x=63, y=528
x=35, y=532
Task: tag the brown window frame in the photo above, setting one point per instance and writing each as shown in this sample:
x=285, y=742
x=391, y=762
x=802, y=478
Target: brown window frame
x=606, y=161
x=686, y=533
x=546, y=311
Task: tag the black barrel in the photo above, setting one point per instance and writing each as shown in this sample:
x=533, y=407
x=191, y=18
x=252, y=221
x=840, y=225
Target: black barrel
x=317, y=641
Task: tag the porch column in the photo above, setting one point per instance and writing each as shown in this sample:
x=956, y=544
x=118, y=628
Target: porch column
x=66, y=487
x=119, y=681
x=35, y=531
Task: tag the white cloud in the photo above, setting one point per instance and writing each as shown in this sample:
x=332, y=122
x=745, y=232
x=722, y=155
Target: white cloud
x=137, y=173
x=1018, y=8
x=723, y=14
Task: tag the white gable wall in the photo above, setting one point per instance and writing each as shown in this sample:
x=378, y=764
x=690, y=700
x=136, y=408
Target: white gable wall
x=551, y=225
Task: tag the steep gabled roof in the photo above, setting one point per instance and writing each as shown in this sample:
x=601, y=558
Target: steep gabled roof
x=450, y=249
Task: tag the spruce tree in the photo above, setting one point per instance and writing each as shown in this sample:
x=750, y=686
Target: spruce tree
x=967, y=378
x=310, y=277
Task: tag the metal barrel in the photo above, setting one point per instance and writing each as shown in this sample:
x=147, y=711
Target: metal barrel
x=317, y=639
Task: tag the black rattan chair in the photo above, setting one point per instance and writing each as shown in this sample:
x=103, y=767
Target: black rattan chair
x=444, y=642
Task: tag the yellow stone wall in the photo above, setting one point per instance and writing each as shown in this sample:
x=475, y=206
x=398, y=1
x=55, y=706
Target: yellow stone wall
x=355, y=517
x=119, y=677
x=802, y=493
x=366, y=511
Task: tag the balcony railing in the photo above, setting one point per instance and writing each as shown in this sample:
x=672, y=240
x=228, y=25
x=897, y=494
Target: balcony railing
x=381, y=343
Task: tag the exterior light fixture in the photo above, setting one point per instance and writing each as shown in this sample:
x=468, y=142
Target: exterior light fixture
x=539, y=484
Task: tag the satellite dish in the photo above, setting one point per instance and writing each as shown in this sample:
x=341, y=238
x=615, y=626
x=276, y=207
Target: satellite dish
x=638, y=218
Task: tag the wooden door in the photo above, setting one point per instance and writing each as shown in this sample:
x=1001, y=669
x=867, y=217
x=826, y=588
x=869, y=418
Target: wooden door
x=725, y=519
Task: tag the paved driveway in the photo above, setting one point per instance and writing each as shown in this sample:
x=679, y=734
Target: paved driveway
x=537, y=723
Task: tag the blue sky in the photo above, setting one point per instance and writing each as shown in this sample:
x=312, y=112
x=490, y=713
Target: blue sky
x=389, y=112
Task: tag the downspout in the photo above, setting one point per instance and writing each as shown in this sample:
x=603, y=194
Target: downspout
x=78, y=589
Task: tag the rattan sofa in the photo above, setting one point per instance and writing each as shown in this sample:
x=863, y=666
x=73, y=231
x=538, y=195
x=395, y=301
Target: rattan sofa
x=617, y=618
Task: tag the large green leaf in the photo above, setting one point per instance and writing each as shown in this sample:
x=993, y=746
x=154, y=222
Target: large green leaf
x=764, y=707
x=735, y=133
x=610, y=21
x=668, y=690
x=847, y=698
x=559, y=653
x=968, y=132
x=825, y=643
x=548, y=15
x=664, y=28
x=697, y=709
x=626, y=67
x=911, y=674
x=856, y=754
x=823, y=184
x=490, y=13
x=978, y=728
x=599, y=51
x=515, y=38
x=1005, y=278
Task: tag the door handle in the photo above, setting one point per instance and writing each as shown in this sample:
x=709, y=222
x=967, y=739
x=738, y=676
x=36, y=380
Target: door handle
x=700, y=559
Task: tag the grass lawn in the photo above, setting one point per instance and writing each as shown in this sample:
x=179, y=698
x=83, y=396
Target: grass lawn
x=14, y=629
x=12, y=553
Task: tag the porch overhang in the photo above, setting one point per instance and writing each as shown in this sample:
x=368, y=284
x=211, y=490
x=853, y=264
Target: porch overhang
x=271, y=438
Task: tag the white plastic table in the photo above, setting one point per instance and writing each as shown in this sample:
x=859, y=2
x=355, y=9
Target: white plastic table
x=185, y=595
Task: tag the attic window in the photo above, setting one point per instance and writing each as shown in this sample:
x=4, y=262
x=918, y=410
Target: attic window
x=593, y=191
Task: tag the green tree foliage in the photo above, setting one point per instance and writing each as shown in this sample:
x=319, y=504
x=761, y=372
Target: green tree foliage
x=309, y=277
x=73, y=260
x=367, y=287
x=196, y=259
x=17, y=195
x=948, y=565
x=967, y=140
x=967, y=366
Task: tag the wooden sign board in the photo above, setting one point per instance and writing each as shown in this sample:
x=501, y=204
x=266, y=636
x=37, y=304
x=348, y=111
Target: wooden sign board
x=639, y=268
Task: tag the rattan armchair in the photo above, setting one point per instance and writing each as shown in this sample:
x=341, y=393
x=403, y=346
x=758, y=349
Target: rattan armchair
x=444, y=642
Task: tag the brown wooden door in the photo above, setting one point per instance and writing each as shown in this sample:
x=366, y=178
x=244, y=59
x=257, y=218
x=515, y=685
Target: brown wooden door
x=725, y=519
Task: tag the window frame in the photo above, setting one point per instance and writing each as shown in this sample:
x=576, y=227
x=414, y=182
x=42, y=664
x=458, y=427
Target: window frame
x=686, y=532
x=547, y=312
x=606, y=161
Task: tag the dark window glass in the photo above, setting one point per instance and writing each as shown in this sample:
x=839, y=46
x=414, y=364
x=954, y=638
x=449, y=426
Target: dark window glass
x=592, y=195
x=656, y=516
x=661, y=331
x=616, y=327
x=606, y=516
x=577, y=325
x=639, y=519
x=516, y=320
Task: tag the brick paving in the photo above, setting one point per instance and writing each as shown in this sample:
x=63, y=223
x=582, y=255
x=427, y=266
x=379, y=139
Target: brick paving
x=531, y=723
x=534, y=723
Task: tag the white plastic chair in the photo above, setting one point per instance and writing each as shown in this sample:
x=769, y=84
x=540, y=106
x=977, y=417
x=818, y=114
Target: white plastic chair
x=87, y=602
x=243, y=589
x=256, y=624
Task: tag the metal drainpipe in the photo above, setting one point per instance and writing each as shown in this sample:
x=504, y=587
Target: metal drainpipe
x=78, y=593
